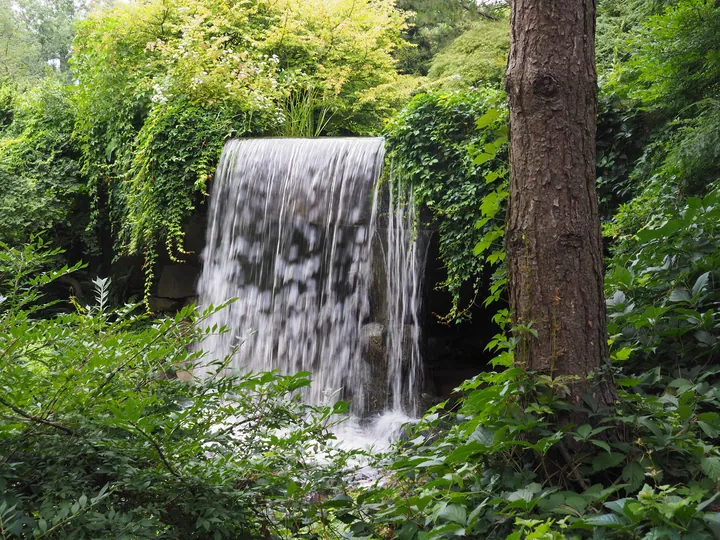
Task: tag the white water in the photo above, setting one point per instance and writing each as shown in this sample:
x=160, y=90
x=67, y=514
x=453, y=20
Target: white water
x=403, y=267
x=291, y=228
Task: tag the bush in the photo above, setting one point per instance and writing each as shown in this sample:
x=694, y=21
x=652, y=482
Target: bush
x=477, y=57
x=503, y=462
x=41, y=185
x=99, y=438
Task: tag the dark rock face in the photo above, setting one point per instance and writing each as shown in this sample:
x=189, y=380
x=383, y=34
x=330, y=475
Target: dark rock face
x=456, y=352
x=177, y=281
x=373, y=338
x=164, y=305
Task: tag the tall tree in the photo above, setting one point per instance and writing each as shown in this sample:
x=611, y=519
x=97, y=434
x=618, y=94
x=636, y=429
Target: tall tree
x=19, y=53
x=554, y=245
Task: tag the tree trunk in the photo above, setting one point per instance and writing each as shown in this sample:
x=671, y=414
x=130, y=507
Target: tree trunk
x=554, y=247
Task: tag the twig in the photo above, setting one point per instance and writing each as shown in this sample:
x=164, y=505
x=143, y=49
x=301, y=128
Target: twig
x=159, y=450
x=574, y=472
x=9, y=347
x=241, y=422
x=35, y=418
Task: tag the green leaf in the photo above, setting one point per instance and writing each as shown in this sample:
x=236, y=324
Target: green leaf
x=584, y=431
x=601, y=444
x=617, y=506
x=483, y=435
x=339, y=501
x=488, y=118
x=705, y=337
x=713, y=522
x=490, y=204
x=633, y=474
x=606, y=461
x=711, y=467
x=701, y=283
x=708, y=429
x=680, y=295
x=703, y=505
x=454, y=513
x=482, y=158
x=526, y=494
x=623, y=276
x=491, y=177
x=462, y=453
x=607, y=520
x=407, y=531
x=622, y=354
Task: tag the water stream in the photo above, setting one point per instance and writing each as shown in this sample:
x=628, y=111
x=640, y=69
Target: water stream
x=326, y=271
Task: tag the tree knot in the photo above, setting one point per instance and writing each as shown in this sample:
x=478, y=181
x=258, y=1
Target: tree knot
x=545, y=85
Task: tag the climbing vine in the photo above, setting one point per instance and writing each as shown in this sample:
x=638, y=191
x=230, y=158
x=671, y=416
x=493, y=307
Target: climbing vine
x=452, y=148
x=163, y=84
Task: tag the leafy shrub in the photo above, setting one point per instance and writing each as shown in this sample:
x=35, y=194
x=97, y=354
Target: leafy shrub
x=41, y=185
x=664, y=290
x=162, y=85
x=667, y=84
x=99, y=438
x=7, y=106
x=451, y=148
x=500, y=463
x=434, y=24
x=477, y=57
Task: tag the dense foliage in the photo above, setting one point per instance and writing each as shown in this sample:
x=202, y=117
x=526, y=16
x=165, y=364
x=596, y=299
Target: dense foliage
x=478, y=56
x=454, y=165
x=36, y=37
x=502, y=460
x=100, y=439
x=155, y=90
x=41, y=184
x=435, y=24
x=162, y=85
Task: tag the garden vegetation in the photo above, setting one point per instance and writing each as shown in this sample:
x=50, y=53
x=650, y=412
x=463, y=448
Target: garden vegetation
x=111, y=124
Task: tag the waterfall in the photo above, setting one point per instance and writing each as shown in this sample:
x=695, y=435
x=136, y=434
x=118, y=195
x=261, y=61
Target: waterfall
x=293, y=234
x=403, y=258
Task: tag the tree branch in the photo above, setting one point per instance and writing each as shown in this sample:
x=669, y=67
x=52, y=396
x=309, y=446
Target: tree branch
x=159, y=450
x=34, y=418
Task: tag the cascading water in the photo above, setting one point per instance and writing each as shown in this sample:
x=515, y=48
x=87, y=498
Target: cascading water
x=291, y=234
x=403, y=262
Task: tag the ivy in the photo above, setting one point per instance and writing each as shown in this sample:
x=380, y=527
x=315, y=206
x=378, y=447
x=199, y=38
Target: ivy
x=451, y=147
x=163, y=84
x=41, y=185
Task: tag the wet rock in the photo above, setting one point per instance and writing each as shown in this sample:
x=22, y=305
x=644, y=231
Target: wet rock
x=374, y=350
x=373, y=340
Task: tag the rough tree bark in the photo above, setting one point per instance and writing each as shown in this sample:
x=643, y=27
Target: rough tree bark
x=554, y=247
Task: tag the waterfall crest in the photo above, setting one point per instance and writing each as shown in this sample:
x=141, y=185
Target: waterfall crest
x=292, y=231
